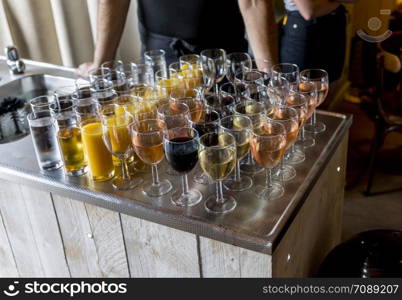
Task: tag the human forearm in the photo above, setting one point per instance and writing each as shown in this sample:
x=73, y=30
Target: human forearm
x=262, y=30
x=110, y=25
x=311, y=9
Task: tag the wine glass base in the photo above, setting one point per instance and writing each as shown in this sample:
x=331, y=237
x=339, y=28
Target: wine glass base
x=243, y=184
x=212, y=206
x=126, y=184
x=251, y=169
x=318, y=127
x=307, y=142
x=275, y=191
x=191, y=198
x=295, y=158
x=286, y=173
x=160, y=189
x=202, y=178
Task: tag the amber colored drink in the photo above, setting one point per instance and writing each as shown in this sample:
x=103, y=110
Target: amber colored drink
x=70, y=142
x=99, y=158
x=150, y=154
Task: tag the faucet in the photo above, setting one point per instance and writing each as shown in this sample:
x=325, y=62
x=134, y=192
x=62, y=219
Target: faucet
x=14, y=63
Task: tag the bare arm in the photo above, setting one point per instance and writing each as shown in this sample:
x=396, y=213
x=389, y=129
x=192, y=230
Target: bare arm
x=110, y=25
x=262, y=30
x=311, y=9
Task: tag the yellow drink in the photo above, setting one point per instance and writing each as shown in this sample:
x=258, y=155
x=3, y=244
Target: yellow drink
x=99, y=158
x=71, y=147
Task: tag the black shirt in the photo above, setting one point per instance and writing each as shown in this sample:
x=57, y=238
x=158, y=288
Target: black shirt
x=196, y=21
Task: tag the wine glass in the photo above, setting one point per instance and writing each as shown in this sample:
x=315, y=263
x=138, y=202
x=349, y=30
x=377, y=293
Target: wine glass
x=278, y=89
x=190, y=98
x=253, y=110
x=319, y=78
x=298, y=101
x=267, y=145
x=240, y=127
x=289, y=71
x=236, y=61
x=308, y=90
x=116, y=136
x=156, y=58
x=174, y=115
x=142, y=81
x=224, y=105
x=217, y=155
x=237, y=90
x=147, y=139
x=190, y=61
x=219, y=58
x=113, y=65
x=208, y=73
x=97, y=74
x=208, y=122
x=181, y=149
x=289, y=118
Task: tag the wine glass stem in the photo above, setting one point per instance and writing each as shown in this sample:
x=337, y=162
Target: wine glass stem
x=313, y=118
x=155, y=175
x=282, y=169
x=219, y=192
x=268, y=178
x=125, y=174
x=184, y=184
x=237, y=171
x=303, y=137
x=216, y=89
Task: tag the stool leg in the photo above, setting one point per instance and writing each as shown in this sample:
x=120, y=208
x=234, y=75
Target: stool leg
x=374, y=152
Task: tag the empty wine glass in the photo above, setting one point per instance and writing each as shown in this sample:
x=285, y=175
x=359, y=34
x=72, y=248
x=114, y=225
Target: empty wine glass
x=208, y=73
x=103, y=92
x=219, y=58
x=240, y=127
x=147, y=139
x=236, y=61
x=156, y=58
x=237, y=90
x=267, y=145
x=224, y=105
x=96, y=74
x=217, y=155
x=181, y=149
x=208, y=122
x=116, y=136
x=289, y=71
x=142, y=81
x=319, y=78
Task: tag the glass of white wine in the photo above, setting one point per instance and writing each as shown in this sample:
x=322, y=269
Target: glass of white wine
x=217, y=156
x=240, y=127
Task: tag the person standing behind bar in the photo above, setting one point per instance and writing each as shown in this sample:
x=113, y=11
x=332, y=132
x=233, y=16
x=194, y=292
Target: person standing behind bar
x=313, y=35
x=188, y=26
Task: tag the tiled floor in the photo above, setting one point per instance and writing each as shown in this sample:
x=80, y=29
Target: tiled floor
x=383, y=210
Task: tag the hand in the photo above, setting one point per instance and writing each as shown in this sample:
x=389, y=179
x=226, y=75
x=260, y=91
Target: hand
x=83, y=69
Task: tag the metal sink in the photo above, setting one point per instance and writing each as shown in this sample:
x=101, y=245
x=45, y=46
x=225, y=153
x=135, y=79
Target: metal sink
x=14, y=125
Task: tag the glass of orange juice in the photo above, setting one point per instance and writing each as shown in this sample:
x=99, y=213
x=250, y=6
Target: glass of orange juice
x=116, y=123
x=99, y=158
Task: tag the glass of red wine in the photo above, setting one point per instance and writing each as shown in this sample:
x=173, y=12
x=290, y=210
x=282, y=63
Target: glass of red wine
x=181, y=149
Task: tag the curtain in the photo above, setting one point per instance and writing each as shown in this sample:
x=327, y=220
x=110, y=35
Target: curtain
x=60, y=31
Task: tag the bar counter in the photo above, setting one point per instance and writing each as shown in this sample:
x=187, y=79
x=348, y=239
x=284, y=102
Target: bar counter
x=58, y=226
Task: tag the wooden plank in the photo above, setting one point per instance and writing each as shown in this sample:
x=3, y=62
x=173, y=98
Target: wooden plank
x=46, y=231
x=224, y=260
x=317, y=227
x=8, y=266
x=108, y=237
x=17, y=223
x=159, y=251
x=76, y=232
